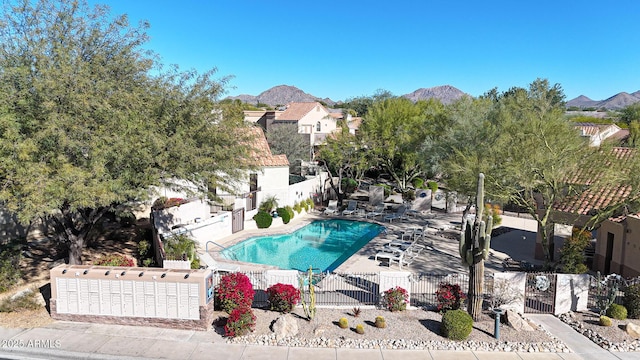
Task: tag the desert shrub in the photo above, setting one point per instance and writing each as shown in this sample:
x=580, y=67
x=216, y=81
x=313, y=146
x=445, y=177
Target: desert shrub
x=143, y=248
x=450, y=297
x=310, y=203
x=23, y=301
x=494, y=212
x=456, y=324
x=115, y=260
x=298, y=207
x=343, y=323
x=417, y=183
x=268, y=204
x=284, y=214
x=395, y=299
x=303, y=205
x=360, y=329
x=409, y=195
x=241, y=321
x=182, y=247
x=292, y=214
x=631, y=300
x=356, y=311
x=572, y=252
x=604, y=321
x=349, y=185
x=380, y=322
x=263, y=219
x=283, y=297
x=9, y=268
x=616, y=311
x=234, y=291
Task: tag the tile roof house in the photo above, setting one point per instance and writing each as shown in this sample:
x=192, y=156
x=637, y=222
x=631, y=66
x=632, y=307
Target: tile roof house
x=313, y=120
x=597, y=133
x=617, y=239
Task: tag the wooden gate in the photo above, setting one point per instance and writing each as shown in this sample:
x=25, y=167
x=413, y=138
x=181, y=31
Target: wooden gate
x=540, y=293
x=237, y=220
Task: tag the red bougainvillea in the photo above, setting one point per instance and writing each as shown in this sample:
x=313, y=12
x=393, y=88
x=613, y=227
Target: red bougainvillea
x=240, y=322
x=283, y=297
x=450, y=297
x=234, y=291
x=395, y=299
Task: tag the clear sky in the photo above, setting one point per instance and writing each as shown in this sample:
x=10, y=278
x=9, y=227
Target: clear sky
x=349, y=48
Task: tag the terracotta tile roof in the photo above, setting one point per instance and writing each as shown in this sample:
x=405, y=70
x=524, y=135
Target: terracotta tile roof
x=297, y=110
x=355, y=123
x=262, y=155
x=603, y=197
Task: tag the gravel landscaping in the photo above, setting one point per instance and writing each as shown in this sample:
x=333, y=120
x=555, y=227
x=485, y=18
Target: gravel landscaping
x=613, y=338
x=411, y=329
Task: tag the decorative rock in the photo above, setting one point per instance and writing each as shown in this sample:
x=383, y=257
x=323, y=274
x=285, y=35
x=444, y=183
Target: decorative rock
x=517, y=322
x=633, y=330
x=285, y=326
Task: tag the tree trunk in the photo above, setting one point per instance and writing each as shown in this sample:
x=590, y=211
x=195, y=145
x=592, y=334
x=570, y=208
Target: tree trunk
x=476, y=286
x=75, y=250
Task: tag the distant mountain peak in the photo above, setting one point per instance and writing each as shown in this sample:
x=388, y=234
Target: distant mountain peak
x=281, y=95
x=445, y=93
x=615, y=102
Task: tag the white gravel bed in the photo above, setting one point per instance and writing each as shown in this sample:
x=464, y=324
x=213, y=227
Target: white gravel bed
x=612, y=338
x=411, y=329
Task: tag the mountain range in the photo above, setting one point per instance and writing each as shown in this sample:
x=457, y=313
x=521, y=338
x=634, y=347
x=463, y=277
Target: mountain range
x=284, y=94
x=616, y=102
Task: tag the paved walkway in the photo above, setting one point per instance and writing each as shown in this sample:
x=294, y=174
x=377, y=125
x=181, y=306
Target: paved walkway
x=70, y=340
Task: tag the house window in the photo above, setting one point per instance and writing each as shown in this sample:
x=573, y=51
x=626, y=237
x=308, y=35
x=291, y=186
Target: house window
x=318, y=126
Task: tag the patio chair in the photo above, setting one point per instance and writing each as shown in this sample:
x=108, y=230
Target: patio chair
x=411, y=254
x=390, y=256
x=399, y=214
x=332, y=208
x=351, y=208
x=377, y=211
x=217, y=266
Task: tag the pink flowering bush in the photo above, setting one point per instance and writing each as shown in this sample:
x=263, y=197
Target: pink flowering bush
x=234, y=291
x=450, y=297
x=115, y=260
x=283, y=297
x=395, y=299
x=241, y=321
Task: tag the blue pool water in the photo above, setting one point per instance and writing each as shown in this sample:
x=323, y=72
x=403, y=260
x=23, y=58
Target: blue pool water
x=322, y=244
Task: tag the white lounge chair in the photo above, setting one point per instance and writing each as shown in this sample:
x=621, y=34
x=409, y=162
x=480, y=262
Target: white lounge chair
x=352, y=206
x=399, y=214
x=217, y=266
x=332, y=208
x=377, y=211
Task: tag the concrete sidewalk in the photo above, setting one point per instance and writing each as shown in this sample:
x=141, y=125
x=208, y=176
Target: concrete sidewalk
x=71, y=340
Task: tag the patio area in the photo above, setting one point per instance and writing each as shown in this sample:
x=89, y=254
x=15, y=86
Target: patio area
x=439, y=242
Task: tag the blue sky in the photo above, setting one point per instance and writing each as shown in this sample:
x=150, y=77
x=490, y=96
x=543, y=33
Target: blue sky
x=343, y=49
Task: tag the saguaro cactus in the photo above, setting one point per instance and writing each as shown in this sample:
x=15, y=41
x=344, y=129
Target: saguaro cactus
x=475, y=241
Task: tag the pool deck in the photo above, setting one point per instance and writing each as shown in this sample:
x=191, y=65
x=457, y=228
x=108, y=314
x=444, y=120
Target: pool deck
x=440, y=255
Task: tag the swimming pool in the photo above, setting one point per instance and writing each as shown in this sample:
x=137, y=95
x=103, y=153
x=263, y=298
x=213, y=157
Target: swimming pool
x=322, y=244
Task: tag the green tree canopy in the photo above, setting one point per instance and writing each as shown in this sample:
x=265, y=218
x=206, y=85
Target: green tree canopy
x=85, y=128
x=394, y=129
x=285, y=139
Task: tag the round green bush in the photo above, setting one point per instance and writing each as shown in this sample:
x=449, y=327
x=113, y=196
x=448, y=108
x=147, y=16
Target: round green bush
x=605, y=321
x=263, y=219
x=284, y=214
x=417, y=183
x=456, y=324
x=617, y=312
x=631, y=300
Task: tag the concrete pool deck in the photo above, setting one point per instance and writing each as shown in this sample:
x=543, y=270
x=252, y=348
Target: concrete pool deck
x=440, y=255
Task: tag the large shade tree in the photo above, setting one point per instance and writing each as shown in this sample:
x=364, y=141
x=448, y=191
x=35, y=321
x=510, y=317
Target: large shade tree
x=533, y=157
x=394, y=129
x=85, y=128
